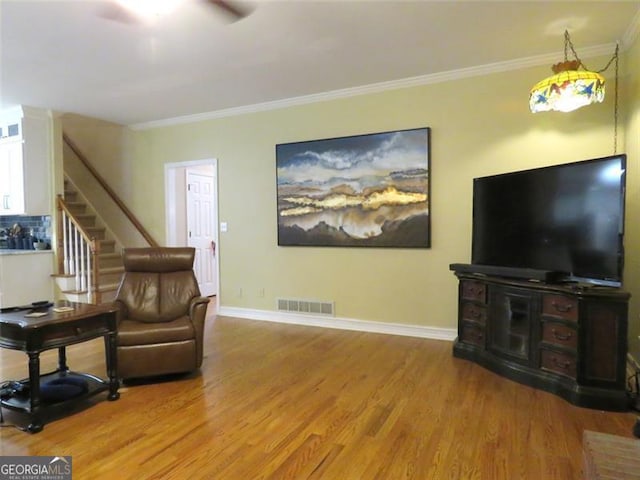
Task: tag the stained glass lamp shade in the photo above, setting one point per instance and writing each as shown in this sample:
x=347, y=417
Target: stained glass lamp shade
x=567, y=90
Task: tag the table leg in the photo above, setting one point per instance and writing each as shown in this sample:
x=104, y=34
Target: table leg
x=34, y=392
x=111, y=352
x=62, y=359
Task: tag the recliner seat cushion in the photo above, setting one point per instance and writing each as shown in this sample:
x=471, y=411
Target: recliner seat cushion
x=139, y=333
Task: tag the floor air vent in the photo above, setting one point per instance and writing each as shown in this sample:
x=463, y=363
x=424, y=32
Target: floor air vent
x=311, y=307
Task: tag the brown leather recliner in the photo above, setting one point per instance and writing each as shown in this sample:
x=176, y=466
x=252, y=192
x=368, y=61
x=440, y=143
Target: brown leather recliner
x=161, y=323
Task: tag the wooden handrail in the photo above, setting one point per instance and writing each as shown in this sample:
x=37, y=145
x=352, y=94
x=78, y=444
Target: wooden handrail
x=114, y=196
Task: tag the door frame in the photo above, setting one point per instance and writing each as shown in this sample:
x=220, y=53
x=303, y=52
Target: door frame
x=171, y=215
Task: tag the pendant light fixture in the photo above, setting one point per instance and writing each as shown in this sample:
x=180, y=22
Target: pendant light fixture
x=572, y=86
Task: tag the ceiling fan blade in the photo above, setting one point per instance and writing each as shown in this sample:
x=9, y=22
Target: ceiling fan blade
x=233, y=8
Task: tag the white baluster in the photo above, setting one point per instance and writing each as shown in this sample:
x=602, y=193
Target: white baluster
x=83, y=273
x=65, y=243
x=89, y=276
x=76, y=266
x=69, y=267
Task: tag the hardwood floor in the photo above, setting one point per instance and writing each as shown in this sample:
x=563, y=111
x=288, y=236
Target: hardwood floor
x=277, y=401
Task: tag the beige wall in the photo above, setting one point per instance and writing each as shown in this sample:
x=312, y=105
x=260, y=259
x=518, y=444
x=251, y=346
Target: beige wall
x=480, y=126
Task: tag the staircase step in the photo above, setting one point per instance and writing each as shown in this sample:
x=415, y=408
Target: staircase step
x=110, y=275
x=87, y=220
x=109, y=260
x=111, y=270
x=95, y=232
x=107, y=246
x=65, y=282
x=77, y=295
x=108, y=292
x=107, y=287
x=70, y=196
x=74, y=292
x=76, y=207
x=108, y=296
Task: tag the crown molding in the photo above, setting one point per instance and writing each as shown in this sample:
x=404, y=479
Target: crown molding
x=447, y=76
x=418, y=331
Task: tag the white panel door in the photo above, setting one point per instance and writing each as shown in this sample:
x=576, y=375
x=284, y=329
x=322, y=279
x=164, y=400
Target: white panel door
x=201, y=222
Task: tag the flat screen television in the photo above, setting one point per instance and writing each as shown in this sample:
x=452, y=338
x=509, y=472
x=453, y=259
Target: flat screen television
x=567, y=219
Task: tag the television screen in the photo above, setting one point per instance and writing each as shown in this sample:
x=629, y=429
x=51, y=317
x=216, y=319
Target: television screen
x=567, y=218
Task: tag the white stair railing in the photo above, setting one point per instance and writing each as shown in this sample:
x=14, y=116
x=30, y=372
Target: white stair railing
x=78, y=251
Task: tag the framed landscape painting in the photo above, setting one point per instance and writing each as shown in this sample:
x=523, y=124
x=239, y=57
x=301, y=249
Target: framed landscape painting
x=360, y=191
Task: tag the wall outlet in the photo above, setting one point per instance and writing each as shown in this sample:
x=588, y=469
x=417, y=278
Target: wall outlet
x=239, y=292
x=261, y=292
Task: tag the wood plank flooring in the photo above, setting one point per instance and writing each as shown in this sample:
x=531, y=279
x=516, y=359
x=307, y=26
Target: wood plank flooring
x=277, y=401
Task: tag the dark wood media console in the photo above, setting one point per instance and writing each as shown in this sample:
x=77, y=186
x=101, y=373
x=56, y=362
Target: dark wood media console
x=567, y=340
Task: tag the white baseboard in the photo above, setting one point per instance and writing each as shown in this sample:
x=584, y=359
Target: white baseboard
x=435, y=333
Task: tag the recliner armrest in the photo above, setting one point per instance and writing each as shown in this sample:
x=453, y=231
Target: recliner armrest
x=195, y=301
x=197, y=314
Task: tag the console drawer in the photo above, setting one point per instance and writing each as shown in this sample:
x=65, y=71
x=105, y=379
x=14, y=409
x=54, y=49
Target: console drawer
x=474, y=313
x=474, y=291
x=560, y=306
x=558, y=362
x=472, y=334
x=560, y=334
x=92, y=327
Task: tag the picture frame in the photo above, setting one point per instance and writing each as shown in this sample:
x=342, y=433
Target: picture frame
x=370, y=190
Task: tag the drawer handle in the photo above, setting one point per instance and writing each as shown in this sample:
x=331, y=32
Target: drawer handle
x=564, y=365
x=476, y=313
x=564, y=308
x=559, y=336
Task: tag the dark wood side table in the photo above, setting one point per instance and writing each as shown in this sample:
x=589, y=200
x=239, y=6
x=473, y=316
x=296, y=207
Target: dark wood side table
x=59, y=330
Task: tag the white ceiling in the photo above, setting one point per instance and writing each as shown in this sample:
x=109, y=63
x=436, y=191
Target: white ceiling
x=63, y=55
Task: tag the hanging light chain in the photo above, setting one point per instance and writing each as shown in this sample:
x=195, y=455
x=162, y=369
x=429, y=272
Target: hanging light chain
x=615, y=57
x=615, y=101
x=569, y=43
